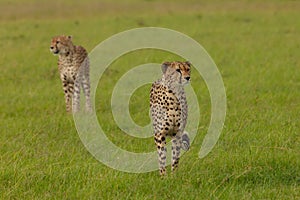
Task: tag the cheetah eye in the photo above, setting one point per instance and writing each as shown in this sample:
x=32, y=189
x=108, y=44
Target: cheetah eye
x=57, y=42
x=178, y=70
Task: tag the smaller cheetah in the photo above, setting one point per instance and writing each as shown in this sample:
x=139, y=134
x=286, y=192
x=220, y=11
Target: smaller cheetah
x=73, y=66
x=169, y=111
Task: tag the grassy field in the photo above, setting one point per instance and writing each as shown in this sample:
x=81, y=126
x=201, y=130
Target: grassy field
x=256, y=47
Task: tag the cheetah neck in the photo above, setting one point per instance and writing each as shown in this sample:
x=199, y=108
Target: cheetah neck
x=67, y=57
x=170, y=85
x=69, y=53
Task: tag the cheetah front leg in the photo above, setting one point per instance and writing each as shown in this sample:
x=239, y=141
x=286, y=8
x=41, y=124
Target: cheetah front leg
x=68, y=91
x=176, y=146
x=160, y=141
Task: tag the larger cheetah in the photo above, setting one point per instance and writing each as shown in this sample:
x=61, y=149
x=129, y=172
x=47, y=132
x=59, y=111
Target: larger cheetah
x=73, y=66
x=169, y=111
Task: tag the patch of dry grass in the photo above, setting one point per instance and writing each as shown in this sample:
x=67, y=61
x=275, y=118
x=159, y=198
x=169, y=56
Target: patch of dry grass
x=14, y=10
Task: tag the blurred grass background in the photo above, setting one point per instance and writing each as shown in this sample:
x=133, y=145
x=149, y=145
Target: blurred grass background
x=256, y=47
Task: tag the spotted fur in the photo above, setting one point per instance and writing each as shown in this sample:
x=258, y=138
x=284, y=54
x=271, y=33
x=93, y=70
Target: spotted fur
x=169, y=111
x=73, y=66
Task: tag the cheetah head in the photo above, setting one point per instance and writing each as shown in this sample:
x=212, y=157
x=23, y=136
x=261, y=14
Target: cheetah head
x=61, y=45
x=177, y=72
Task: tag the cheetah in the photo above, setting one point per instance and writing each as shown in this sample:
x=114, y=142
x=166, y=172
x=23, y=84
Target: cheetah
x=73, y=66
x=169, y=111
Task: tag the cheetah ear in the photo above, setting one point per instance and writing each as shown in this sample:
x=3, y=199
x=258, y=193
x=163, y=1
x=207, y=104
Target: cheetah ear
x=70, y=37
x=165, y=66
x=188, y=63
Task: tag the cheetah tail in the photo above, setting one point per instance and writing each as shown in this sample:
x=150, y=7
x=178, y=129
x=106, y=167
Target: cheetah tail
x=185, y=141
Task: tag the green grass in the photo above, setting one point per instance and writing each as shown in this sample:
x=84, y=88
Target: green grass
x=255, y=46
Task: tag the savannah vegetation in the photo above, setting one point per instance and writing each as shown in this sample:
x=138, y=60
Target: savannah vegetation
x=255, y=45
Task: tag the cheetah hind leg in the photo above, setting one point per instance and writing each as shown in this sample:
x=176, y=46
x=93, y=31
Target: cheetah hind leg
x=85, y=84
x=76, y=96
